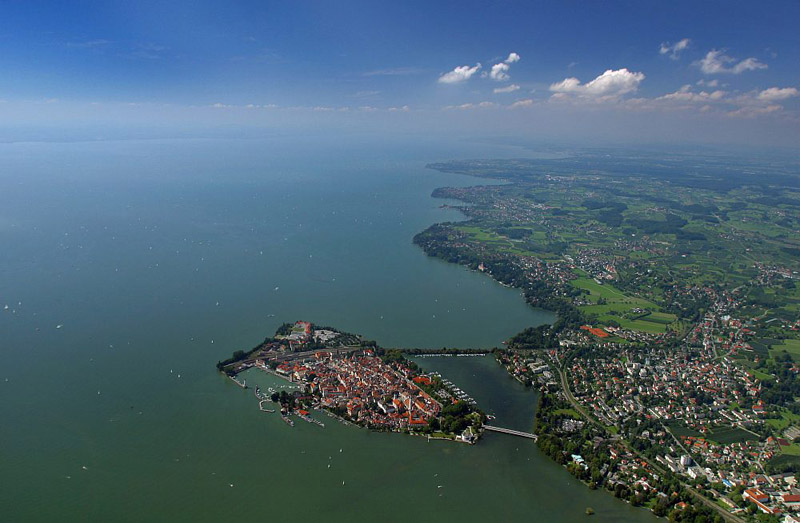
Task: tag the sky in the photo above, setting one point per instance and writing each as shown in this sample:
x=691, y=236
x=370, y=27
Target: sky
x=673, y=72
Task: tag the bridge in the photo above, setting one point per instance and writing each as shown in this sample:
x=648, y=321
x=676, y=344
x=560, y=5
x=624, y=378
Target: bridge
x=513, y=432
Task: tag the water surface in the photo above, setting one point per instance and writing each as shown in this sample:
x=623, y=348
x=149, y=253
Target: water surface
x=157, y=259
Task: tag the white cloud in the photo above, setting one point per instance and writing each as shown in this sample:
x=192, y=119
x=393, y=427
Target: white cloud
x=749, y=104
x=685, y=94
x=500, y=72
x=522, y=103
x=748, y=64
x=610, y=84
x=508, y=89
x=773, y=94
x=674, y=50
x=717, y=62
x=459, y=74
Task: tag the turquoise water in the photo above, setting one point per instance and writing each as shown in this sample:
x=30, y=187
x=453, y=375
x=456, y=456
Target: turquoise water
x=159, y=258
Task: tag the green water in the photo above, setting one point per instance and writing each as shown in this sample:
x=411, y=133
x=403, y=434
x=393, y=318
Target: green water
x=160, y=258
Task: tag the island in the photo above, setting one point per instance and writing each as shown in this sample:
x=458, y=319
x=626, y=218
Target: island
x=358, y=382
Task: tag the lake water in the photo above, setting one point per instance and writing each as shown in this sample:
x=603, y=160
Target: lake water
x=130, y=268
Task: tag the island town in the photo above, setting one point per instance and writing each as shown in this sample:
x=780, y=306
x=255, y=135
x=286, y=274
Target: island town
x=358, y=382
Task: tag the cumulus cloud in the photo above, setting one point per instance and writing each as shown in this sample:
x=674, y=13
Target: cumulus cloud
x=459, y=74
x=749, y=104
x=499, y=71
x=610, y=84
x=717, y=62
x=674, y=50
x=508, y=89
x=773, y=94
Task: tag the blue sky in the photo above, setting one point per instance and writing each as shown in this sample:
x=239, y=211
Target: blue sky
x=661, y=71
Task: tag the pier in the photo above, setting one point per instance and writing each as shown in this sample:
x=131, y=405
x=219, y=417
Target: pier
x=513, y=432
x=242, y=384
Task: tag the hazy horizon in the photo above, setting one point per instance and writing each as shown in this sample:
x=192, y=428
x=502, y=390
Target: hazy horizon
x=621, y=72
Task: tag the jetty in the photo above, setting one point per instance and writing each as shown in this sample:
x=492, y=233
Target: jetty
x=512, y=432
x=309, y=419
x=242, y=384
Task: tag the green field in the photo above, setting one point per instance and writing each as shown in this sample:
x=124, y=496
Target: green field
x=784, y=459
x=787, y=418
x=608, y=292
x=731, y=435
x=791, y=450
x=568, y=412
x=723, y=435
x=763, y=376
x=792, y=347
x=480, y=235
x=679, y=430
x=618, y=307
